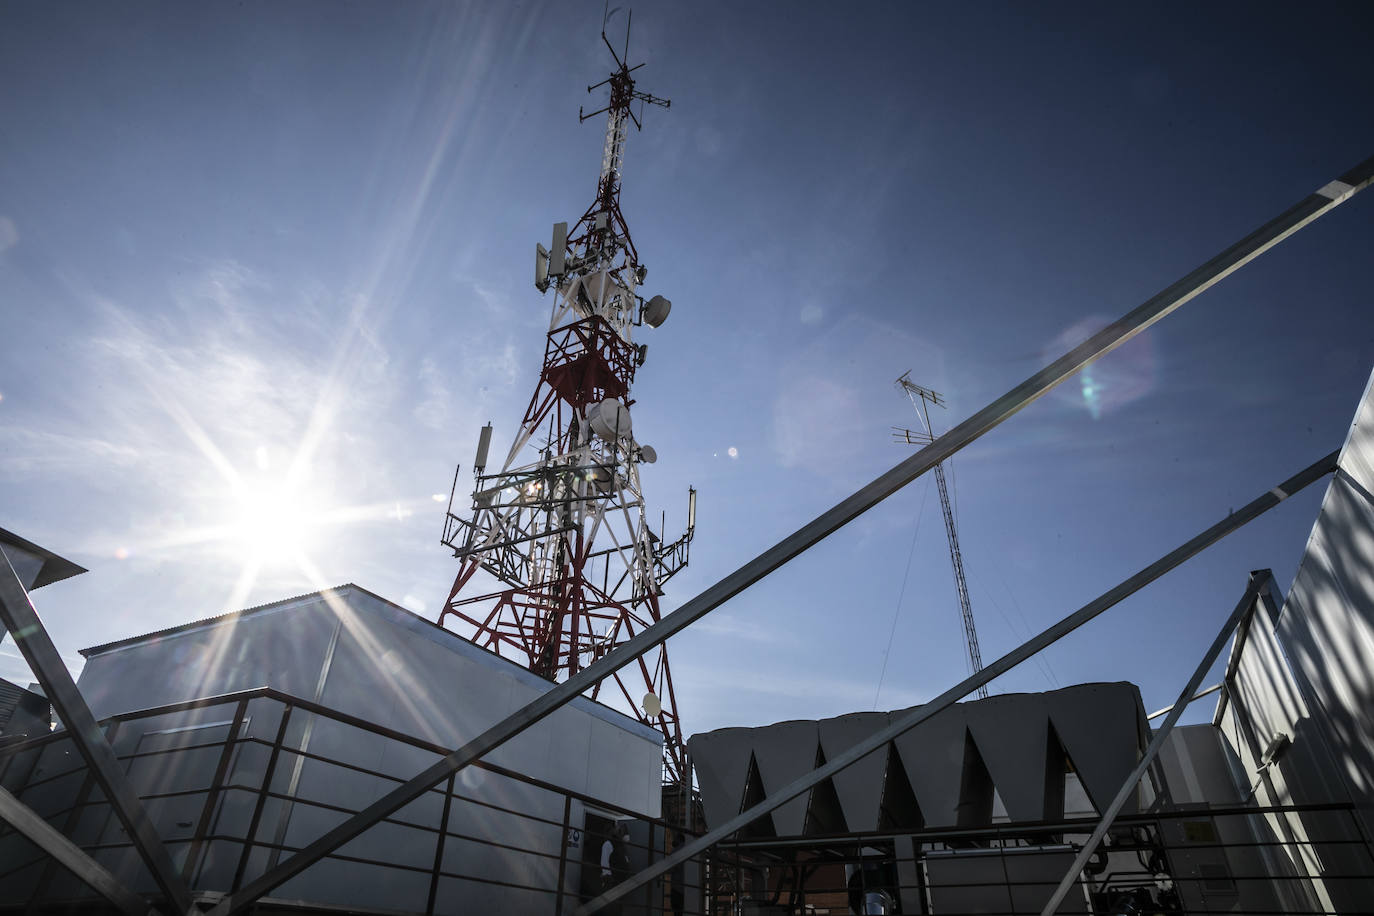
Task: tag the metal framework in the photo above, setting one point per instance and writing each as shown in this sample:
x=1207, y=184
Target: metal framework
x=25, y=627
x=49, y=839
x=796, y=865
x=248, y=776
x=1045, y=638
x=1104, y=341
x=562, y=525
x=1260, y=582
x=920, y=399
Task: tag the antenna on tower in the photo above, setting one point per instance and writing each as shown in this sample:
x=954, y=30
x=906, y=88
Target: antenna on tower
x=921, y=399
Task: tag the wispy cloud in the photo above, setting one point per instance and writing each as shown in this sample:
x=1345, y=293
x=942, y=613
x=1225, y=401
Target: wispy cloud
x=835, y=397
x=25, y=451
x=9, y=233
x=728, y=626
x=433, y=407
x=203, y=400
x=15, y=669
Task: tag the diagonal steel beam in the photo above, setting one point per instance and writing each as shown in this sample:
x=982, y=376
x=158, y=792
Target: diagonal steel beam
x=1207, y=691
x=1109, y=338
x=47, y=838
x=20, y=618
x=1259, y=583
x=915, y=717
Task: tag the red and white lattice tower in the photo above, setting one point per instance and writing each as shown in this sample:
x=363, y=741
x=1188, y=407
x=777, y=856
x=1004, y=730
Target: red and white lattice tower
x=562, y=524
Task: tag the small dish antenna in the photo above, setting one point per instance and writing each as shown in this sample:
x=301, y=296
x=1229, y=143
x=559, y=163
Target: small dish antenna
x=652, y=705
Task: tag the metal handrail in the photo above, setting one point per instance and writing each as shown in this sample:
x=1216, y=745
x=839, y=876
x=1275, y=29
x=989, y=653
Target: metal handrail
x=289, y=704
x=337, y=715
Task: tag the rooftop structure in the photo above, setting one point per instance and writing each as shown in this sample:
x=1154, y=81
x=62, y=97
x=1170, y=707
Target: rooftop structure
x=1023, y=757
x=35, y=566
x=247, y=733
x=358, y=654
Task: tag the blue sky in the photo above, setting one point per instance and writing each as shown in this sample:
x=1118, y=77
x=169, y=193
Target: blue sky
x=280, y=242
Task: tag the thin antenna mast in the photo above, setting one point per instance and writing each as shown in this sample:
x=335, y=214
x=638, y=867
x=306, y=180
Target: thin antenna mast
x=921, y=399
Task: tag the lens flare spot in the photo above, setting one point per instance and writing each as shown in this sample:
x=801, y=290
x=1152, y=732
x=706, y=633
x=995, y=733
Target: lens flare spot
x=1127, y=374
x=732, y=452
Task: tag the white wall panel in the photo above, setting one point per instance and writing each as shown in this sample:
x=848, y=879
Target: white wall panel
x=1327, y=623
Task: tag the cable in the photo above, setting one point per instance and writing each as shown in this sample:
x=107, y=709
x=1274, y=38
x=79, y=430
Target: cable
x=1016, y=631
x=891, y=633
x=1050, y=677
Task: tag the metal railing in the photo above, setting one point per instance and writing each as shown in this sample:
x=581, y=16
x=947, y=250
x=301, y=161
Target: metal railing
x=1171, y=862
x=232, y=779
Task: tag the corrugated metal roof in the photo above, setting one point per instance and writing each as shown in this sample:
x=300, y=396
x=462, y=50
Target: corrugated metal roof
x=405, y=618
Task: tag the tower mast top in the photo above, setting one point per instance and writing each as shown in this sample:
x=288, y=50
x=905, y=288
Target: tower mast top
x=619, y=111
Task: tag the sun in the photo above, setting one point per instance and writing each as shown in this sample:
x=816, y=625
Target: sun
x=273, y=521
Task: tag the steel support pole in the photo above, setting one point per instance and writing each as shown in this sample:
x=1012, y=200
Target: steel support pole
x=1109, y=338
x=915, y=717
x=1233, y=663
x=1259, y=583
x=72, y=857
x=20, y=618
x=1197, y=696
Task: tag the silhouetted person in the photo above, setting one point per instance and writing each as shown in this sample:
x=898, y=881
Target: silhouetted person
x=677, y=892
x=615, y=863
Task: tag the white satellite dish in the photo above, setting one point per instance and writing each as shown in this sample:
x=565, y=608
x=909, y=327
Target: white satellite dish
x=610, y=420
x=651, y=704
x=656, y=311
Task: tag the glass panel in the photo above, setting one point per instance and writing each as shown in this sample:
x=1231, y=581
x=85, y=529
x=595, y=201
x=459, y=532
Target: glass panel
x=395, y=844
x=234, y=813
x=263, y=719
x=249, y=765
x=217, y=865
x=174, y=771
x=363, y=886
x=52, y=796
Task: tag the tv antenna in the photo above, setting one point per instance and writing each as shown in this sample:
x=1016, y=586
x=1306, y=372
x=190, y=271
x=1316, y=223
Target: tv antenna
x=620, y=111
x=921, y=399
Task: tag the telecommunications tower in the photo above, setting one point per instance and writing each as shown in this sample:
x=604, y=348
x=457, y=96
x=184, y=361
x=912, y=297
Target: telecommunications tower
x=921, y=399
x=562, y=524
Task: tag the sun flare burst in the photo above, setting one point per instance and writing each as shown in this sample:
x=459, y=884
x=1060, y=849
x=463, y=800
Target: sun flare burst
x=273, y=522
